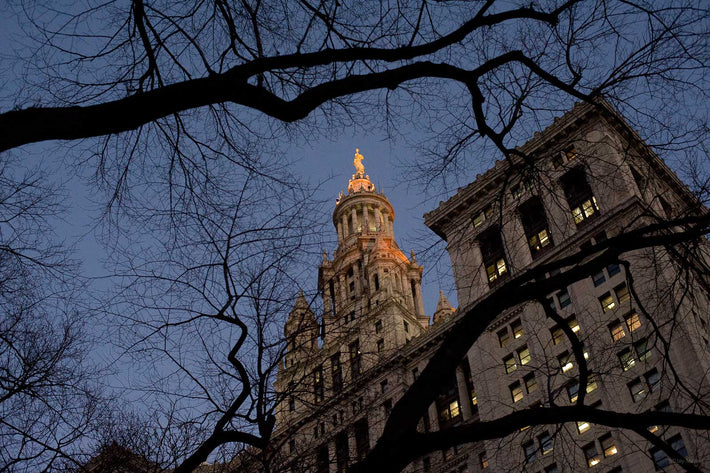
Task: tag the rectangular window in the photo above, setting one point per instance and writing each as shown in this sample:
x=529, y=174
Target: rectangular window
x=387, y=406
x=616, y=329
x=626, y=357
x=572, y=392
x=362, y=438
x=524, y=355
x=517, y=328
x=342, y=453
x=563, y=298
x=583, y=426
x=591, y=455
x=415, y=373
x=380, y=345
x=516, y=392
x=591, y=383
x=573, y=324
x=637, y=390
x=607, y=302
x=355, y=358
x=483, y=460
x=530, y=451
x=643, y=350
x=552, y=469
x=318, y=385
x=579, y=195
x=537, y=231
x=322, y=460
x=509, y=363
x=660, y=459
x=378, y=326
x=632, y=321
x=406, y=326
x=530, y=383
x=545, y=443
x=503, y=337
x=678, y=445
x=622, y=293
x=653, y=379
x=336, y=373
x=608, y=445
x=613, y=269
x=565, y=360
x=493, y=255
x=557, y=335
x=598, y=278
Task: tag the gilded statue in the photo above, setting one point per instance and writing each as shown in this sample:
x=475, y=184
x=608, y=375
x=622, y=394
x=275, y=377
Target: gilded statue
x=359, y=167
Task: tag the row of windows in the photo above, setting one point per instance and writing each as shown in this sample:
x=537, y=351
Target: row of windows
x=608, y=448
x=516, y=389
x=504, y=335
x=543, y=447
x=639, y=389
x=523, y=357
x=581, y=201
x=640, y=351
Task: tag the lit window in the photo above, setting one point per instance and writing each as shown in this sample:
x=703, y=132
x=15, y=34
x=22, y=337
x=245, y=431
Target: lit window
x=608, y=445
x=643, y=351
x=530, y=451
x=516, y=191
x=622, y=293
x=510, y=365
x=573, y=324
x=530, y=383
x=571, y=153
x=598, y=278
x=633, y=322
x=483, y=460
x=607, y=302
x=454, y=409
x=564, y=298
x=517, y=328
x=572, y=392
x=626, y=357
x=532, y=216
x=591, y=383
x=545, y=443
x=524, y=355
x=653, y=378
x=617, y=331
x=582, y=426
x=503, y=337
x=493, y=254
x=478, y=219
x=516, y=392
x=591, y=455
x=557, y=335
x=565, y=360
x=637, y=390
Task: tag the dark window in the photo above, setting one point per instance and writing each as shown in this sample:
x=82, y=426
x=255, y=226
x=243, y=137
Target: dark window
x=493, y=255
x=622, y=293
x=380, y=345
x=355, y=358
x=383, y=386
x=483, y=460
x=660, y=459
x=530, y=383
x=598, y=278
x=362, y=438
x=322, y=460
x=643, y=351
x=552, y=469
x=579, y=195
x=572, y=392
x=653, y=378
x=378, y=326
x=537, y=231
x=564, y=299
x=331, y=286
x=336, y=373
x=613, y=269
x=530, y=451
x=678, y=445
x=637, y=390
x=291, y=403
x=503, y=337
x=387, y=405
x=545, y=443
x=341, y=452
x=415, y=373
x=406, y=326
x=377, y=282
x=426, y=464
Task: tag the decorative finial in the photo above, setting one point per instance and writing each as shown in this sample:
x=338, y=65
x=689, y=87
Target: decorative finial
x=359, y=167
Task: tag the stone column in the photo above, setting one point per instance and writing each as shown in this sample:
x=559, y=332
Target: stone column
x=343, y=292
x=419, y=302
x=365, y=218
x=378, y=219
x=356, y=278
x=433, y=418
x=464, y=395
x=355, y=222
x=346, y=229
x=385, y=223
x=340, y=232
x=326, y=300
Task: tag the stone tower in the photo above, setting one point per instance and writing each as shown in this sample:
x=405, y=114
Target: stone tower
x=368, y=269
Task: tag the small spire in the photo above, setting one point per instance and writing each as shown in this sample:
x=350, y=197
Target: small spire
x=443, y=308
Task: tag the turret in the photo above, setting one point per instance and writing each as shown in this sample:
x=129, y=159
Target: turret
x=301, y=332
x=444, y=309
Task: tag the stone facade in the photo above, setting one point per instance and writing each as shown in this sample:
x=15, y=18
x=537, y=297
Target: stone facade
x=591, y=178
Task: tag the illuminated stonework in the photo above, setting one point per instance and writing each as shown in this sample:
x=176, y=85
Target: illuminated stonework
x=360, y=181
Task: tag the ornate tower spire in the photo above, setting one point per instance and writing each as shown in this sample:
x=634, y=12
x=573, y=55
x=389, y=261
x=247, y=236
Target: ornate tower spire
x=360, y=181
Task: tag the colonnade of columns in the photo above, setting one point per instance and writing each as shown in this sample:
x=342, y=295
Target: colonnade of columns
x=364, y=219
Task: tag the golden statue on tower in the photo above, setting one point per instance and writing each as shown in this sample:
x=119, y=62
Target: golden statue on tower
x=359, y=167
